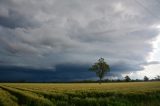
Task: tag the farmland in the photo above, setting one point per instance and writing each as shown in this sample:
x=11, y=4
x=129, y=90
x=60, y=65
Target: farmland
x=80, y=94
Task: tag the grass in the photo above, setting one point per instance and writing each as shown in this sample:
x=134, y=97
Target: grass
x=28, y=98
x=82, y=94
x=7, y=99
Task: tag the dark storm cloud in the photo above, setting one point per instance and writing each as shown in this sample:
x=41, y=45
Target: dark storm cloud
x=62, y=73
x=15, y=20
x=44, y=35
x=69, y=72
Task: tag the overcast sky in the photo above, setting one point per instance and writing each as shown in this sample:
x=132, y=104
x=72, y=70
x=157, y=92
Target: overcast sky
x=58, y=40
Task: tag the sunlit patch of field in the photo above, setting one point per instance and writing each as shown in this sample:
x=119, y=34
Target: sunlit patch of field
x=80, y=94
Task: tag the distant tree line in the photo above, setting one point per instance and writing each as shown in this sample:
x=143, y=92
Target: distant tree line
x=125, y=79
x=128, y=79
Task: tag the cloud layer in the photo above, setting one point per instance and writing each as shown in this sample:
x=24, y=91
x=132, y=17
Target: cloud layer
x=43, y=35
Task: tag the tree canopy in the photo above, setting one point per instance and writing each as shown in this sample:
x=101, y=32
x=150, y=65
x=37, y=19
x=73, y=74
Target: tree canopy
x=146, y=78
x=127, y=78
x=100, y=67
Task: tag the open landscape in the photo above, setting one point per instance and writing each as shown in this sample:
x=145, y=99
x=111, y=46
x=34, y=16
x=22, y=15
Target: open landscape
x=80, y=94
x=79, y=52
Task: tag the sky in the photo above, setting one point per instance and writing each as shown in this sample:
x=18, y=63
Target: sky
x=58, y=40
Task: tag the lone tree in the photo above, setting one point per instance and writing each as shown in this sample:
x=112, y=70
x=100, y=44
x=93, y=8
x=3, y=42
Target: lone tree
x=127, y=78
x=146, y=78
x=100, y=67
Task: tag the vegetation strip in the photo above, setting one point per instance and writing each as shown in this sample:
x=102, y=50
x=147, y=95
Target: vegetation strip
x=136, y=94
x=55, y=97
x=6, y=99
x=28, y=98
x=99, y=98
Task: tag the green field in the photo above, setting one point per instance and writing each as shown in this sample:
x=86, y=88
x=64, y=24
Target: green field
x=80, y=94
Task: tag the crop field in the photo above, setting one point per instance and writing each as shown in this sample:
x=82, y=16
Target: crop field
x=80, y=94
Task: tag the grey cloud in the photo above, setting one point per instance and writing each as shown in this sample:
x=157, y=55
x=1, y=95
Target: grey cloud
x=123, y=67
x=151, y=63
x=14, y=20
x=44, y=34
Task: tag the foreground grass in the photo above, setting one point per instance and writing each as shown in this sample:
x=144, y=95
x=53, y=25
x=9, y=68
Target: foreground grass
x=82, y=94
x=27, y=98
x=6, y=99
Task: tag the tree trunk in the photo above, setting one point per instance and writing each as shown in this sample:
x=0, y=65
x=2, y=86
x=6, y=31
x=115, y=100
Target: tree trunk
x=100, y=81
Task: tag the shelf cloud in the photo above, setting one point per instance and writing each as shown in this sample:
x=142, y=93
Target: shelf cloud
x=65, y=37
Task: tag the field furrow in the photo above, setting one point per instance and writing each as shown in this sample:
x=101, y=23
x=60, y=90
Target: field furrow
x=59, y=99
x=95, y=98
x=28, y=98
x=116, y=94
x=6, y=99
